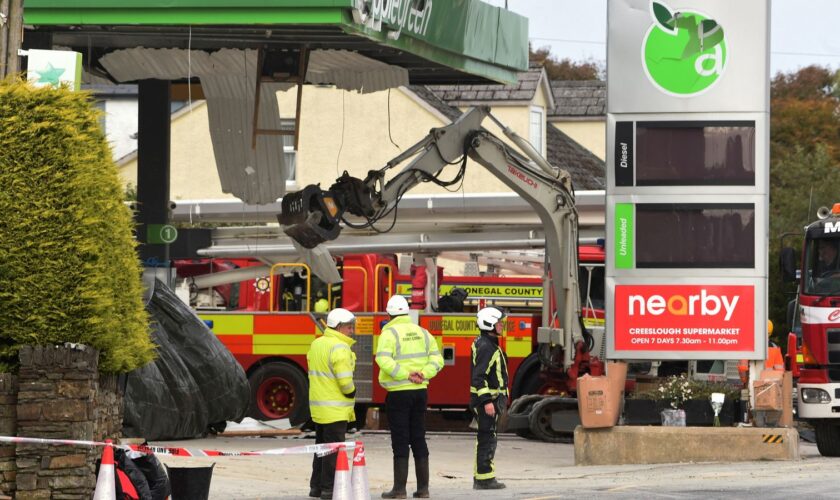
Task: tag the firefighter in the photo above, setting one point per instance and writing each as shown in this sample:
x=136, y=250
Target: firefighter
x=408, y=357
x=331, y=393
x=488, y=394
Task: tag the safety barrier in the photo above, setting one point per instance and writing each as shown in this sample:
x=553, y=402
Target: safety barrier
x=105, y=480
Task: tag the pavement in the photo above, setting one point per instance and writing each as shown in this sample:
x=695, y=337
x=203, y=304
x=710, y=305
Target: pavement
x=532, y=470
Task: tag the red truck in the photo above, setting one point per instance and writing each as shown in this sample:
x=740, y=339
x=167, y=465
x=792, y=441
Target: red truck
x=268, y=323
x=818, y=309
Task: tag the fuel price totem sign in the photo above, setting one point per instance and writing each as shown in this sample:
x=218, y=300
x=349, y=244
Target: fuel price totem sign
x=687, y=179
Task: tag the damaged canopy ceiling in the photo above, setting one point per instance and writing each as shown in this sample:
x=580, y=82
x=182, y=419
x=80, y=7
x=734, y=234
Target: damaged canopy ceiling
x=250, y=164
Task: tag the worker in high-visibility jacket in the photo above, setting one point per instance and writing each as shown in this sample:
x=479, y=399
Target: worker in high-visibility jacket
x=408, y=356
x=488, y=394
x=332, y=393
x=775, y=360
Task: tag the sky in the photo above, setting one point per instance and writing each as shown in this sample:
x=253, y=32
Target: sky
x=802, y=32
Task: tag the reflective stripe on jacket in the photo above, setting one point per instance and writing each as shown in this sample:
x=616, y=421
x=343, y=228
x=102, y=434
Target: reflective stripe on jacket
x=405, y=348
x=331, y=390
x=488, y=369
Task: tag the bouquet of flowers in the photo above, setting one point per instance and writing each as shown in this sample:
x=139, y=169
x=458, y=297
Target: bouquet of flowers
x=677, y=389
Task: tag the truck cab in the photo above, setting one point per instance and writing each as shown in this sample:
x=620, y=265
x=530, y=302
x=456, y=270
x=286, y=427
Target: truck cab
x=819, y=315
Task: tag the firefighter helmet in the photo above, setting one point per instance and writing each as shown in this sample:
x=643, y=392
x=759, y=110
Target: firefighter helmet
x=397, y=305
x=488, y=317
x=339, y=316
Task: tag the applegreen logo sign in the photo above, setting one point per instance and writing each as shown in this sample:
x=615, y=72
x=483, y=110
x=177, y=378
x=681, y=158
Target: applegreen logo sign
x=684, y=52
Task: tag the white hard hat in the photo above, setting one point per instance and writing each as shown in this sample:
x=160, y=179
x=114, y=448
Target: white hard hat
x=487, y=318
x=339, y=316
x=397, y=305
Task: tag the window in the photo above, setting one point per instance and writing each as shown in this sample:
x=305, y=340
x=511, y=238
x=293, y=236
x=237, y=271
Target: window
x=822, y=273
x=537, y=128
x=289, y=153
x=102, y=107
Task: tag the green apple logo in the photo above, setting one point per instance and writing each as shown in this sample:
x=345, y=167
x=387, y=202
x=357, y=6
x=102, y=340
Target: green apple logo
x=683, y=53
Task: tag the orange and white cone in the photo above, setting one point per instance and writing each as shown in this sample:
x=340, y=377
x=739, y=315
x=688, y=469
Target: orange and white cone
x=361, y=487
x=342, y=488
x=105, y=487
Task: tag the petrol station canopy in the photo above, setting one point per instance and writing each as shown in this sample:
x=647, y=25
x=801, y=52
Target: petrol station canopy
x=464, y=41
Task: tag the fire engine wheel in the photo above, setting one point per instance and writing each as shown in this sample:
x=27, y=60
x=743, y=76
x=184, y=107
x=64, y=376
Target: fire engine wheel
x=542, y=414
x=828, y=438
x=279, y=390
x=523, y=406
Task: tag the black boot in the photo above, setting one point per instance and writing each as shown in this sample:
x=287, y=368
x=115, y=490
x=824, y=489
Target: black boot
x=314, y=492
x=421, y=469
x=400, y=477
x=487, y=484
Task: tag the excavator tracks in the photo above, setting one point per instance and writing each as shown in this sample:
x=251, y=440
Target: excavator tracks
x=544, y=418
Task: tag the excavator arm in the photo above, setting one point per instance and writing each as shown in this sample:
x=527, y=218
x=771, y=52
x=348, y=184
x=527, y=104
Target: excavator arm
x=312, y=216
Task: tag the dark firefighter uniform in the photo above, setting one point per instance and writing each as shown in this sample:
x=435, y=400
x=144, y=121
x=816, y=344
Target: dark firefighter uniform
x=488, y=383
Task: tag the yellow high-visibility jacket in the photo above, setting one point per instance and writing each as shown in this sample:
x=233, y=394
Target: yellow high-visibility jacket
x=331, y=390
x=405, y=348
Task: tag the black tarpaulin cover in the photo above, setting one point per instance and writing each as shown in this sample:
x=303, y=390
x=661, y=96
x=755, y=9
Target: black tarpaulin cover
x=194, y=382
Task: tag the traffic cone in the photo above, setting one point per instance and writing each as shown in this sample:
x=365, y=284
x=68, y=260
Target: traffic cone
x=342, y=488
x=361, y=487
x=105, y=487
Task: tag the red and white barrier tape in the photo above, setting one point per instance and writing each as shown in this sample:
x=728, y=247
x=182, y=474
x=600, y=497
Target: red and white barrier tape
x=317, y=449
x=67, y=442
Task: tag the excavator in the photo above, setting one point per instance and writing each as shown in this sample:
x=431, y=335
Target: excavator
x=565, y=348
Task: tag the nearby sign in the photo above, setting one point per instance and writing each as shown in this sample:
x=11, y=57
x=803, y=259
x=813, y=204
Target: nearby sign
x=54, y=68
x=684, y=318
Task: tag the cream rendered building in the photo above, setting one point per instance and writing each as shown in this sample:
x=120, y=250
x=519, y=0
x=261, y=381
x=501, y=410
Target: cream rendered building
x=580, y=113
x=359, y=132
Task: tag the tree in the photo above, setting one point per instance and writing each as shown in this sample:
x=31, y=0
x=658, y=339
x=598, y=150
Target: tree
x=566, y=69
x=804, y=112
x=68, y=266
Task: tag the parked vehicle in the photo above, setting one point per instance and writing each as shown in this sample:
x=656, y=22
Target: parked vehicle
x=818, y=307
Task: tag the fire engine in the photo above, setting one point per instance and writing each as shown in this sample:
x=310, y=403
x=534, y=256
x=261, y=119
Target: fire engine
x=818, y=307
x=546, y=351
x=274, y=358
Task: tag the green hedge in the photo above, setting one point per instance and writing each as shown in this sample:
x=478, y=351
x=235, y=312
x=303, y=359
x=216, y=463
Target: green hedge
x=68, y=266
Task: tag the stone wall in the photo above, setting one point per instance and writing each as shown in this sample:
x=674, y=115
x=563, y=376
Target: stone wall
x=59, y=397
x=8, y=427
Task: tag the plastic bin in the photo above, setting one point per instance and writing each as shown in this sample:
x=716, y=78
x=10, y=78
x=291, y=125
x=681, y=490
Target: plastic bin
x=190, y=483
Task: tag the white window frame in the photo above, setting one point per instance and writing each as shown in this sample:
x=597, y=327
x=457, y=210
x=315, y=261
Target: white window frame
x=541, y=146
x=289, y=149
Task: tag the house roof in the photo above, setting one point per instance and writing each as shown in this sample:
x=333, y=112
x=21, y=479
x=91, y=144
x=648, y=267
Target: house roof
x=432, y=99
x=523, y=91
x=579, y=99
x=586, y=169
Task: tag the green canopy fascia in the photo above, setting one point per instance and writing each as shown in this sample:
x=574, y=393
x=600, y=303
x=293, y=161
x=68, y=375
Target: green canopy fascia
x=468, y=35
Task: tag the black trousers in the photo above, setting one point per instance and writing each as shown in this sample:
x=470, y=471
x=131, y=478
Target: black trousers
x=485, y=439
x=407, y=419
x=323, y=468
